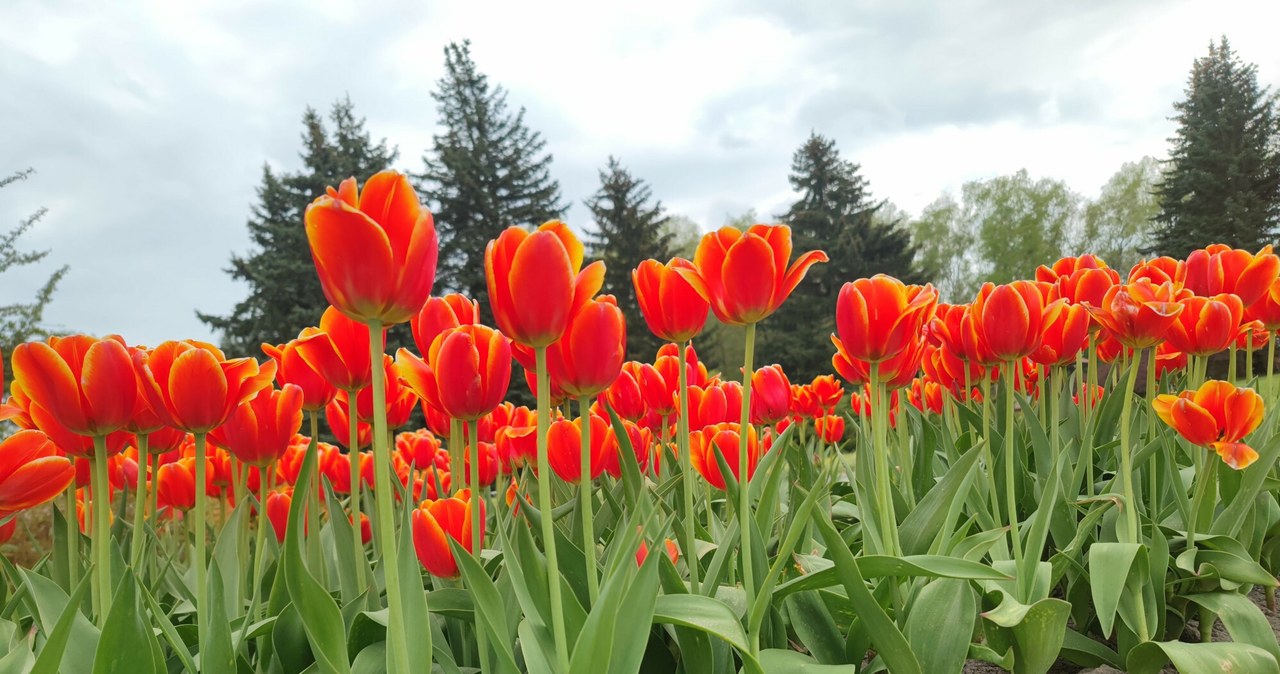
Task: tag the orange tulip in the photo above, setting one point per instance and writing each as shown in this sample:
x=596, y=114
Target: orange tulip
x=564, y=448
x=1011, y=318
x=879, y=317
x=465, y=374
x=770, y=395
x=623, y=395
x=420, y=449
x=338, y=350
x=339, y=419
x=925, y=395
x=745, y=275
x=1206, y=325
x=176, y=485
x=637, y=437
x=1220, y=269
x=1217, y=416
x=1267, y=309
x=642, y=552
x=1086, y=285
x=1068, y=266
x=400, y=399
x=31, y=472
x=826, y=391
x=1064, y=336
x=440, y=314
x=278, y=503
x=1159, y=271
x=716, y=404
x=374, y=250
x=194, y=387
x=536, y=282
x=1139, y=313
x=1252, y=336
x=433, y=521
x=86, y=384
x=895, y=373
x=292, y=368
x=261, y=429
x=674, y=311
x=722, y=438
x=588, y=357
x=829, y=428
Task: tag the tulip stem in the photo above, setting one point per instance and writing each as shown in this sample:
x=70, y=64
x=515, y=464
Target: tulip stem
x=313, y=504
x=259, y=551
x=73, y=535
x=1010, y=479
x=584, y=501
x=101, y=533
x=1126, y=461
x=744, y=474
x=456, y=451
x=686, y=468
x=353, y=461
x=884, y=496
x=477, y=529
x=139, y=502
x=544, y=505
x=397, y=641
x=202, y=569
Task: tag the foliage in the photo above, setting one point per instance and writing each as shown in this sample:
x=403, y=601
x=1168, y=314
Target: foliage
x=1118, y=225
x=284, y=291
x=21, y=321
x=1223, y=179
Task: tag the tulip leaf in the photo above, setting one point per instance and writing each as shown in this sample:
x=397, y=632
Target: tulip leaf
x=413, y=595
x=341, y=530
x=921, y=526
x=1151, y=657
x=1115, y=569
x=940, y=624
x=216, y=654
x=783, y=661
x=1038, y=631
x=489, y=614
x=1242, y=618
x=701, y=613
x=823, y=572
x=53, y=655
x=815, y=627
x=128, y=645
x=1087, y=652
x=227, y=553
x=609, y=641
x=50, y=605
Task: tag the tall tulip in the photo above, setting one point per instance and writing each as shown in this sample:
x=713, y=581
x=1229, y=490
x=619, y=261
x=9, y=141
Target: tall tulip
x=673, y=310
x=722, y=439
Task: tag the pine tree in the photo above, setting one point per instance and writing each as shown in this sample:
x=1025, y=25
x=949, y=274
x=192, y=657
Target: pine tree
x=835, y=213
x=485, y=172
x=629, y=228
x=1222, y=183
x=284, y=290
x=22, y=321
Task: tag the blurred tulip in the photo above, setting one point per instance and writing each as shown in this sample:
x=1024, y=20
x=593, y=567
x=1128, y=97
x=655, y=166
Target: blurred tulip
x=176, y=485
x=642, y=552
x=419, y=449
x=433, y=521
x=564, y=448
x=637, y=437
x=1064, y=336
x=722, y=438
x=536, y=282
x=261, y=429
x=278, y=503
x=673, y=310
x=830, y=429
x=623, y=395
x=31, y=472
x=926, y=396
x=827, y=391
x=335, y=413
x=374, y=249
x=1219, y=269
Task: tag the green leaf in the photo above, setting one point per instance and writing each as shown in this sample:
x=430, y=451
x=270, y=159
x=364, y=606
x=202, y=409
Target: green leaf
x=885, y=635
x=1038, y=631
x=701, y=613
x=226, y=552
x=782, y=661
x=50, y=605
x=52, y=657
x=413, y=599
x=815, y=627
x=1150, y=658
x=876, y=566
x=342, y=532
x=1110, y=566
x=216, y=653
x=1087, y=652
x=1242, y=618
x=170, y=633
x=128, y=645
x=490, y=614
x=597, y=649
x=940, y=624
x=921, y=526
x=289, y=641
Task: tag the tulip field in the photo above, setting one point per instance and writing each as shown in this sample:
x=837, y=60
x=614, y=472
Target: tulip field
x=1066, y=472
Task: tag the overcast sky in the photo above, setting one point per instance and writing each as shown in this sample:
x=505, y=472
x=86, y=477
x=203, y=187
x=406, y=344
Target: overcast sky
x=148, y=122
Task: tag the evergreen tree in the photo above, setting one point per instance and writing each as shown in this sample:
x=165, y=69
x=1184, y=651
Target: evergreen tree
x=630, y=228
x=284, y=290
x=22, y=321
x=1222, y=183
x=835, y=213
x=485, y=172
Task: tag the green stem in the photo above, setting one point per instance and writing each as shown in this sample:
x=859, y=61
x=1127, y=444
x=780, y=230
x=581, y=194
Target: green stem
x=1153, y=468
x=200, y=562
x=397, y=641
x=456, y=450
x=544, y=505
x=744, y=472
x=686, y=469
x=102, y=532
x=73, y=535
x=1010, y=479
x=584, y=501
x=477, y=529
x=988, y=456
x=353, y=462
x=1126, y=460
x=884, y=495
x=1231, y=364
x=905, y=460
x=313, y=504
x=140, y=503
x=259, y=548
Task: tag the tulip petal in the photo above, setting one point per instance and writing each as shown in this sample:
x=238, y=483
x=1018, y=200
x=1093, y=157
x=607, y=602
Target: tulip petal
x=199, y=391
x=353, y=257
x=49, y=382
x=748, y=280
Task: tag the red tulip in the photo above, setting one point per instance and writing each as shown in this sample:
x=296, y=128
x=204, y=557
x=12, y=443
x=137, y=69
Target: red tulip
x=433, y=521
x=925, y=395
x=564, y=448
x=1011, y=318
x=400, y=399
x=31, y=472
x=336, y=414
x=745, y=275
x=1068, y=266
x=642, y=552
x=1159, y=271
x=674, y=311
x=770, y=395
x=488, y=463
x=830, y=429
x=1206, y=325
x=1267, y=309
x=1217, y=416
x=375, y=250
x=440, y=314
x=637, y=437
x=1086, y=285
x=194, y=387
x=419, y=449
x=722, y=438
x=176, y=485
x=1220, y=269
x=827, y=391
x=1139, y=313
x=1064, y=336
x=338, y=350
x=466, y=373
x=714, y=404
x=879, y=317
x=895, y=373
x=588, y=357
x=278, y=504
x=623, y=395
x=87, y=385
x=261, y=429
x=292, y=368
x=534, y=282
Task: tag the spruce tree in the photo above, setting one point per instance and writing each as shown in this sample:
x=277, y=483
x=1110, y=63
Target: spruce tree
x=22, y=321
x=284, y=290
x=1222, y=183
x=835, y=213
x=485, y=172
x=629, y=228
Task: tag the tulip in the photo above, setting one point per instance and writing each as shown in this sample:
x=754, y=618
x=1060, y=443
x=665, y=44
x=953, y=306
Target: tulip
x=1086, y=285
x=1159, y=271
x=925, y=395
x=772, y=399
x=1064, y=337
x=709, y=406
x=623, y=395
x=722, y=439
x=465, y=374
x=336, y=413
x=176, y=485
x=564, y=443
x=292, y=368
x=879, y=317
x=588, y=357
x=642, y=552
x=830, y=429
x=87, y=385
x=639, y=440
x=338, y=350
x=440, y=314
x=672, y=308
x=31, y=472
x=1068, y=266
x=261, y=429
x=1220, y=269
x=277, y=509
x=432, y=521
x=419, y=448
x=1138, y=314
x=895, y=373
x=1206, y=325
x=1217, y=416
x=827, y=392
x=1011, y=318
x=374, y=249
